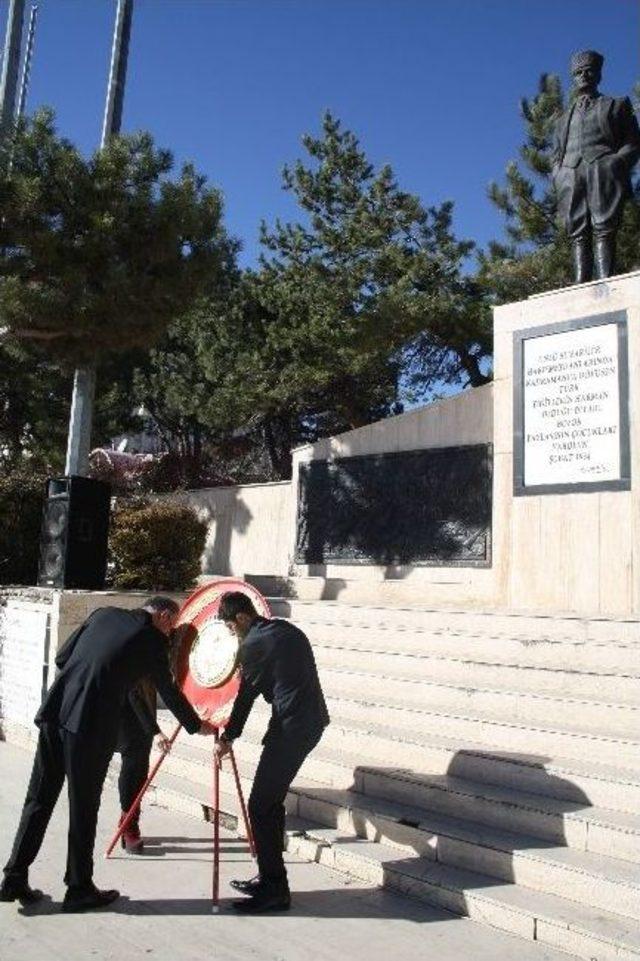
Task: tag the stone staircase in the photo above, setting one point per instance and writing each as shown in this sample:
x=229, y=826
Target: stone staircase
x=485, y=762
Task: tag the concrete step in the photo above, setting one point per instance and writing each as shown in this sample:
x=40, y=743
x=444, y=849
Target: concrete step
x=588, y=933
x=520, y=707
x=467, y=672
x=348, y=746
x=434, y=752
x=488, y=623
x=597, y=880
x=483, y=728
x=604, y=657
x=576, y=825
x=550, y=919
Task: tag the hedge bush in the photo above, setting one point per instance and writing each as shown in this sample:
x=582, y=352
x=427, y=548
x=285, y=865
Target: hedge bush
x=156, y=546
x=21, y=503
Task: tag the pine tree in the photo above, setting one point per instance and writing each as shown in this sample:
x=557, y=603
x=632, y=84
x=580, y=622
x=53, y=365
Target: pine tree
x=100, y=255
x=368, y=275
x=34, y=406
x=362, y=297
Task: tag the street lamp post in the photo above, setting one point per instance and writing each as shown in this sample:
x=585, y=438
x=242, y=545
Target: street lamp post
x=84, y=382
x=26, y=66
x=11, y=66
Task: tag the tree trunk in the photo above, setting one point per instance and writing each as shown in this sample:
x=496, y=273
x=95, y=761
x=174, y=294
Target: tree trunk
x=471, y=367
x=197, y=442
x=277, y=438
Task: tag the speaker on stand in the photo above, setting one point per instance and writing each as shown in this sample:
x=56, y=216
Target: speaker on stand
x=75, y=530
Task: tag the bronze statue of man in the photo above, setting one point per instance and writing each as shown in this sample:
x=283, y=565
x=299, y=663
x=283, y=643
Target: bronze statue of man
x=597, y=142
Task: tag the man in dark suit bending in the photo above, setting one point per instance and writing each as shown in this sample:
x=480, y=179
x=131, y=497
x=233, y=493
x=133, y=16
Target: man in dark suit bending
x=79, y=721
x=276, y=661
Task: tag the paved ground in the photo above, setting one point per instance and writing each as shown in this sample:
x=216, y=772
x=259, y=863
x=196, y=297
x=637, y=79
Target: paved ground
x=165, y=912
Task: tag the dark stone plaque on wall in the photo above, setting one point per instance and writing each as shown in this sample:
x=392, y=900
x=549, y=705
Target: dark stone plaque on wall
x=425, y=507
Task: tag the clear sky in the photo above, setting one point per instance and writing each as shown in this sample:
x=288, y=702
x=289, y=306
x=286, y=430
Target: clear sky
x=430, y=86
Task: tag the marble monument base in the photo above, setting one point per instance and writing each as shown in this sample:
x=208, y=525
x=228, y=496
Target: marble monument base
x=566, y=511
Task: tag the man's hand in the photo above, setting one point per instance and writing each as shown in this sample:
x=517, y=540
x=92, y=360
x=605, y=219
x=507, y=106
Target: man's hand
x=222, y=749
x=162, y=743
x=205, y=727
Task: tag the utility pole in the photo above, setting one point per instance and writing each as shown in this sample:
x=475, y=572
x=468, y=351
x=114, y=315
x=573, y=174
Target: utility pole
x=118, y=71
x=28, y=56
x=84, y=382
x=11, y=66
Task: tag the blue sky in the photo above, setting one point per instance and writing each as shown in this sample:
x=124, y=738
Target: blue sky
x=430, y=86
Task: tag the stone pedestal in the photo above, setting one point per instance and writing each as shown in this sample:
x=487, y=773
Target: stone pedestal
x=572, y=544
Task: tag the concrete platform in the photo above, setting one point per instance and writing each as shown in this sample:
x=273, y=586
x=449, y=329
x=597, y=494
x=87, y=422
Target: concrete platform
x=165, y=912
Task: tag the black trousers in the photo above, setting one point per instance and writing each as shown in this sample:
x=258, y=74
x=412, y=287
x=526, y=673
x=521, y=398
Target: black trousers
x=84, y=762
x=591, y=196
x=134, y=770
x=281, y=759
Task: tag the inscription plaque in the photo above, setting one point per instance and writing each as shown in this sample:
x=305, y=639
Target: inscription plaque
x=426, y=507
x=24, y=641
x=571, y=409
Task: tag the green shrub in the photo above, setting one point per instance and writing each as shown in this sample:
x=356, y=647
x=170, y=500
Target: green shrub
x=156, y=546
x=21, y=503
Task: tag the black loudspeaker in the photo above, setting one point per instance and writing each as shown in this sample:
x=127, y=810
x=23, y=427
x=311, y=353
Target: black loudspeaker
x=75, y=529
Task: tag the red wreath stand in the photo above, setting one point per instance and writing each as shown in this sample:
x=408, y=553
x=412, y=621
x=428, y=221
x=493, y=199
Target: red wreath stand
x=213, y=703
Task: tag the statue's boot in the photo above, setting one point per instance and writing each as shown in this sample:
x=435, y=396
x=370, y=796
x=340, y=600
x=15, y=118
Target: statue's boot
x=582, y=260
x=605, y=256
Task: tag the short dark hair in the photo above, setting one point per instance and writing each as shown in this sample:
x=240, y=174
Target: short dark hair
x=234, y=603
x=159, y=604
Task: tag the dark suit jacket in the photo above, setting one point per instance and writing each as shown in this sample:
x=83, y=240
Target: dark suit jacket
x=138, y=724
x=618, y=126
x=277, y=661
x=100, y=663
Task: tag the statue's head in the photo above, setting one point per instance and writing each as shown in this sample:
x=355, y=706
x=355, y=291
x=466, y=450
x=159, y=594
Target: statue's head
x=586, y=70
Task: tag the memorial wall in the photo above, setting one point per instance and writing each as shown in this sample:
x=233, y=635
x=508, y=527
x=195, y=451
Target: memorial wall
x=420, y=507
x=399, y=511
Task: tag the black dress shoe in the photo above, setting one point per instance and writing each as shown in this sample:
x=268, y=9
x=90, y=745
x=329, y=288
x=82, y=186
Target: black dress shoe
x=88, y=900
x=247, y=887
x=19, y=891
x=264, y=900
